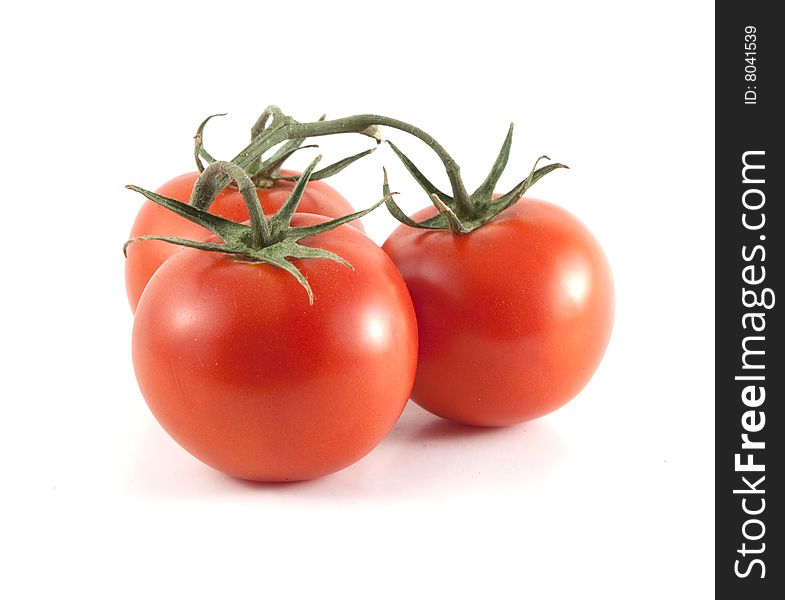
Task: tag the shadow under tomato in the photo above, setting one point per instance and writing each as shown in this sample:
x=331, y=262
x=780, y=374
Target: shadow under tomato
x=423, y=456
x=441, y=429
x=162, y=469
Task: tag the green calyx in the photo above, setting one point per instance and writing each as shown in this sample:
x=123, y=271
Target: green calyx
x=462, y=212
x=270, y=240
x=264, y=172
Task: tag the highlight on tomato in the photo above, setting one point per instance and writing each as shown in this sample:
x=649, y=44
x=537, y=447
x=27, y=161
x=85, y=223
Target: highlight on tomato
x=278, y=350
x=273, y=186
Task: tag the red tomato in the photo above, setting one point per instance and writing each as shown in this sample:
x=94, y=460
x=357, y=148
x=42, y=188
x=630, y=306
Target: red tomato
x=144, y=259
x=513, y=317
x=252, y=380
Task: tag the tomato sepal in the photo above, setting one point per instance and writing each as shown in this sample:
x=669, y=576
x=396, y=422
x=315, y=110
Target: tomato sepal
x=481, y=206
x=273, y=241
x=428, y=187
x=436, y=222
x=332, y=169
x=486, y=188
x=199, y=150
x=506, y=200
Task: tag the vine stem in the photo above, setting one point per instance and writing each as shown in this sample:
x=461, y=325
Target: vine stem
x=210, y=183
x=271, y=112
x=286, y=128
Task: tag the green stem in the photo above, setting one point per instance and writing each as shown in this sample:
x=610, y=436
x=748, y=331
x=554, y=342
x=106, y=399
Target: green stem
x=213, y=180
x=199, y=151
x=287, y=129
x=271, y=111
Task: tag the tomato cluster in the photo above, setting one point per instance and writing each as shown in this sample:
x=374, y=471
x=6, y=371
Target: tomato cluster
x=282, y=343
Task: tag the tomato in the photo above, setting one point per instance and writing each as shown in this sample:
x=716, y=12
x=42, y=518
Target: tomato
x=513, y=317
x=143, y=259
x=255, y=382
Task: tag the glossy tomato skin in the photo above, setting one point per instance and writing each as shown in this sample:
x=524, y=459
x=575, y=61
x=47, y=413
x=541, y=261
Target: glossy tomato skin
x=513, y=317
x=255, y=382
x=143, y=259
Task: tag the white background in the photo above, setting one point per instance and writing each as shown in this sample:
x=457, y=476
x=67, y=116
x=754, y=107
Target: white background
x=610, y=497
